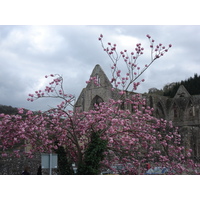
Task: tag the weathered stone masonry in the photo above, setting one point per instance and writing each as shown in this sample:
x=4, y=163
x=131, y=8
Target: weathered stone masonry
x=183, y=110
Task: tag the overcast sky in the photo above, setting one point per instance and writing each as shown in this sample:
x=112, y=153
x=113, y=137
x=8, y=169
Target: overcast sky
x=28, y=53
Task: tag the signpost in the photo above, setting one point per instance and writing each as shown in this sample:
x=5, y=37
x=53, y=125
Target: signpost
x=49, y=161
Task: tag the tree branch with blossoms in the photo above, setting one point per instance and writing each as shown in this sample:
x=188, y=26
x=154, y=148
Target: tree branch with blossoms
x=54, y=90
x=134, y=71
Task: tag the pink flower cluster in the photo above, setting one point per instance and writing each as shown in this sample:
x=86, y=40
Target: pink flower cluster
x=131, y=62
x=134, y=136
x=53, y=90
x=157, y=50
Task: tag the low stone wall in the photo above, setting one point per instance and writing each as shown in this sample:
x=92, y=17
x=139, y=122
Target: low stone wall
x=15, y=166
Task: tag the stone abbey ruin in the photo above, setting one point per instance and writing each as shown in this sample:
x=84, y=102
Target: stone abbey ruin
x=183, y=109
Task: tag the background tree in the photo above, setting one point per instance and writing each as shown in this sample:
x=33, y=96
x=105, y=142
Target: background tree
x=191, y=84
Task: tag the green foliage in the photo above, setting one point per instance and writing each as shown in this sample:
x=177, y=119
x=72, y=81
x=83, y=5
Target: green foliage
x=192, y=85
x=64, y=165
x=8, y=110
x=93, y=156
x=171, y=91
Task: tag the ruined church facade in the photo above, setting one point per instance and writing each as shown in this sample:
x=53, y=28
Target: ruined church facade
x=183, y=109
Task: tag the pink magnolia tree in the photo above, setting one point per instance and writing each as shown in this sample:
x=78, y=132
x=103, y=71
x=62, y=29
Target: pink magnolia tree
x=106, y=136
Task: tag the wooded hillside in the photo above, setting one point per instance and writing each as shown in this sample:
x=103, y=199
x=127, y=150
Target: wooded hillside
x=192, y=85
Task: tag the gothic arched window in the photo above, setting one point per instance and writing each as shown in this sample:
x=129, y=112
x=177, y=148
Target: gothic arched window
x=175, y=110
x=151, y=101
x=160, y=111
x=96, y=101
x=98, y=79
x=191, y=109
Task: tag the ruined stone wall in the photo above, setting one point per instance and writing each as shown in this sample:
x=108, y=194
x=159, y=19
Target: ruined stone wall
x=90, y=94
x=15, y=166
x=183, y=110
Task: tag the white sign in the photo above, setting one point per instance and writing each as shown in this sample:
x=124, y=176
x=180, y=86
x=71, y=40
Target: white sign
x=49, y=160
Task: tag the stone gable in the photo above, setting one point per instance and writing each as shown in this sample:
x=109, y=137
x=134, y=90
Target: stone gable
x=182, y=110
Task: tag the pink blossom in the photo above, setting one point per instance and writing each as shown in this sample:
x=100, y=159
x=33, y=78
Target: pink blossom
x=20, y=110
x=148, y=36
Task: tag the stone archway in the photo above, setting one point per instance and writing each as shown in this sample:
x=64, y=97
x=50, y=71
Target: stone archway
x=160, y=111
x=96, y=101
x=175, y=111
x=190, y=109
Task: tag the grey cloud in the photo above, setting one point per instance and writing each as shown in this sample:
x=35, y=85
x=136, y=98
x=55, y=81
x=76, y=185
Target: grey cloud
x=28, y=53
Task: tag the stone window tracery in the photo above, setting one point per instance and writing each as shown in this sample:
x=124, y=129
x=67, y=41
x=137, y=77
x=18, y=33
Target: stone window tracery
x=175, y=111
x=98, y=79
